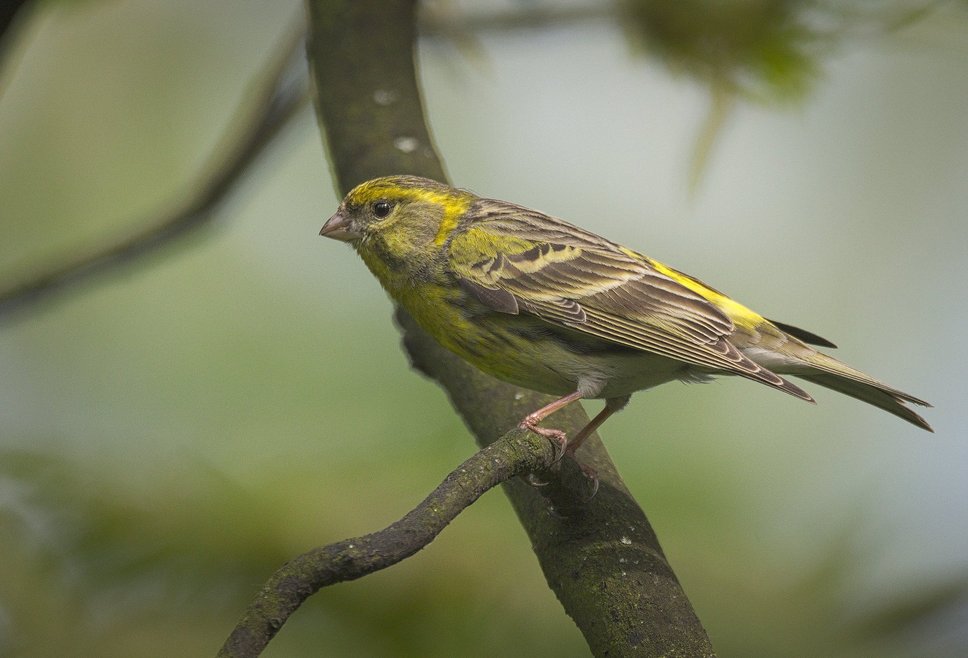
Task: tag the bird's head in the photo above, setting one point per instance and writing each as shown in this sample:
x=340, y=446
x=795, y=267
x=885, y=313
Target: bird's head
x=402, y=212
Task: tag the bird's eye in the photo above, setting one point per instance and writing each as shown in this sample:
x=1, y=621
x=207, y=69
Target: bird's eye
x=381, y=209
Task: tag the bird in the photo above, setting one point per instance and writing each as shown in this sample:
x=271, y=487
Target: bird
x=545, y=305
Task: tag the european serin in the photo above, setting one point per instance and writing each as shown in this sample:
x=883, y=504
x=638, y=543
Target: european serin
x=548, y=306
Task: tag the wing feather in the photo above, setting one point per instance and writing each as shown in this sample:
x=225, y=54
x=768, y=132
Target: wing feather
x=573, y=278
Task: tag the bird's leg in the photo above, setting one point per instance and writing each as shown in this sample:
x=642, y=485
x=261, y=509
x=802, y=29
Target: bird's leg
x=611, y=406
x=589, y=429
x=583, y=434
x=558, y=437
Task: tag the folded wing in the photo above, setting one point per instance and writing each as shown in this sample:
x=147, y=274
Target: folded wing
x=518, y=260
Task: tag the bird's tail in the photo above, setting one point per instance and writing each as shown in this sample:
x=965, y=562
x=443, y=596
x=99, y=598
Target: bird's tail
x=831, y=373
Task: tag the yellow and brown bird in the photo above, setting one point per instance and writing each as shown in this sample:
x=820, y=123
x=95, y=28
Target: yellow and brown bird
x=545, y=305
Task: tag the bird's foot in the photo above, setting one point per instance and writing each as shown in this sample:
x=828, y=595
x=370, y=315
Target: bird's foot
x=589, y=473
x=558, y=439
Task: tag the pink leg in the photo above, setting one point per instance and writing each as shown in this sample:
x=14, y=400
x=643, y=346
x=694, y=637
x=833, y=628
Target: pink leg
x=531, y=421
x=611, y=406
x=590, y=428
x=576, y=442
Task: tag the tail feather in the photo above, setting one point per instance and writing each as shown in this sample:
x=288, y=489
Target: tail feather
x=858, y=385
x=791, y=356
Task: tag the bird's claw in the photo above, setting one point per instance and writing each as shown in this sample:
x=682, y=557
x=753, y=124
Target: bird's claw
x=535, y=481
x=558, y=439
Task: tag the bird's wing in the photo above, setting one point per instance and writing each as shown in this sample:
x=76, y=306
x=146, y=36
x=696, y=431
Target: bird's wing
x=519, y=260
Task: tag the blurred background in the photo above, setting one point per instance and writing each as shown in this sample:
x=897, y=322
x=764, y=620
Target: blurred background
x=174, y=430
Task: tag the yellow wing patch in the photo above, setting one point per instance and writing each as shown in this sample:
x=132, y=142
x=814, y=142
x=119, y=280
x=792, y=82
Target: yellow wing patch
x=739, y=314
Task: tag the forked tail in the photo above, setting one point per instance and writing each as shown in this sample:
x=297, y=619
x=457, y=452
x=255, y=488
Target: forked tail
x=833, y=374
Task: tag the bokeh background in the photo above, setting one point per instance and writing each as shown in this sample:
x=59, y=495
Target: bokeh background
x=173, y=431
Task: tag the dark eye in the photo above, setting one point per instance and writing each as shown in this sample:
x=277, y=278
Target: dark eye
x=381, y=209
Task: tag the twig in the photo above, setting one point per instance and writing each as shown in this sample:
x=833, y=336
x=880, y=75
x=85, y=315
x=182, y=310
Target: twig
x=276, y=97
x=517, y=453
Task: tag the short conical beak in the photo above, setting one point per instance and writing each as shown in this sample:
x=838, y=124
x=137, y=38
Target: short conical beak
x=339, y=227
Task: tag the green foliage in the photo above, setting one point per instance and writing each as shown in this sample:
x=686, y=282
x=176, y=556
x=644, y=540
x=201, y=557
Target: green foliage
x=760, y=48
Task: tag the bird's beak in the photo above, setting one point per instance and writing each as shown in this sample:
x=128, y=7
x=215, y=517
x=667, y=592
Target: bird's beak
x=339, y=227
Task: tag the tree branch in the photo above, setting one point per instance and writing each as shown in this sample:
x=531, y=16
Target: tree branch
x=601, y=557
x=11, y=13
x=517, y=453
x=276, y=97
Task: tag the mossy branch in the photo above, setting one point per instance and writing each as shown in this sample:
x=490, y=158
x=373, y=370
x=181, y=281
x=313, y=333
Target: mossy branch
x=517, y=453
x=601, y=557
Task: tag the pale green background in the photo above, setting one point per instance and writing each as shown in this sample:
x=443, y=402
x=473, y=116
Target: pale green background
x=174, y=432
